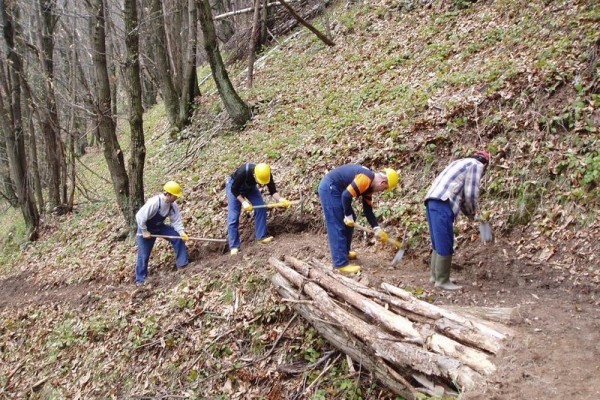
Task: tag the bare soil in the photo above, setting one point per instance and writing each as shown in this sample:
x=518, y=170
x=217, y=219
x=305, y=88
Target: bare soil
x=555, y=353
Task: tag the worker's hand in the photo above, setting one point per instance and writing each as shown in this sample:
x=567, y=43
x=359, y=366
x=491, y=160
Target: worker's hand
x=247, y=206
x=184, y=236
x=349, y=221
x=146, y=235
x=381, y=235
x=285, y=203
x=485, y=216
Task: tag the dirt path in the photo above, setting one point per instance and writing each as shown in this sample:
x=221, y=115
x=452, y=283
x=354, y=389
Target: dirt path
x=556, y=351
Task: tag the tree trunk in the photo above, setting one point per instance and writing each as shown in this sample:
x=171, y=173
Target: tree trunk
x=34, y=165
x=224, y=28
x=236, y=108
x=15, y=141
x=138, y=147
x=163, y=65
x=252, y=43
x=106, y=124
x=264, y=18
x=7, y=191
x=50, y=125
x=189, y=90
x=314, y=30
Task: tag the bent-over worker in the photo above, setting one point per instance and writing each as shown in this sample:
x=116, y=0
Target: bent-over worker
x=243, y=193
x=151, y=221
x=455, y=190
x=337, y=190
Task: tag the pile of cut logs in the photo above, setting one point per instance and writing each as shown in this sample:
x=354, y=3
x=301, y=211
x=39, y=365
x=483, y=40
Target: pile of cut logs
x=411, y=346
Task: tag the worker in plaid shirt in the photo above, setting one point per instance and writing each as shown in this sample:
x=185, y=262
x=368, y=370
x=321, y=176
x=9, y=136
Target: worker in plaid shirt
x=455, y=190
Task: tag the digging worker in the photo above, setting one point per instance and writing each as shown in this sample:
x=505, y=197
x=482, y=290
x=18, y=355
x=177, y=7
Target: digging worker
x=337, y=190
x=243, y=193
x=455, y=190
x=151, y=221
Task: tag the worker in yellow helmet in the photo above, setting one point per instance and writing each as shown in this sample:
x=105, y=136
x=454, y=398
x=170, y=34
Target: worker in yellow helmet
x=243, y=193
x=151, y=221
x=337, y=190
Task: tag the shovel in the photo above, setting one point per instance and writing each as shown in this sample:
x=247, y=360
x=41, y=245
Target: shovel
x=485, y=229
x=276, y=205
x=400, y=245
x=191, y=238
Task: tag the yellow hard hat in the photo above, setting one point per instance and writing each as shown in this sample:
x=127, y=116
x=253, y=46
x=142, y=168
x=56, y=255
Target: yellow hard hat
x=173, y=188
x=262, y=173
x=392, y=178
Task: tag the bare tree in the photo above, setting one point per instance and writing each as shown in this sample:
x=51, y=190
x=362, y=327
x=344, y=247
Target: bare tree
x=106, y=123
x=14, y=136
x=238, y=111
x=138, y=147
x=49, y=121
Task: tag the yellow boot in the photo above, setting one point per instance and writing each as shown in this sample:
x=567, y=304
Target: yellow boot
x=349, y=269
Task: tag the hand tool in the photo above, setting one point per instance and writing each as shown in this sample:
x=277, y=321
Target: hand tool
x=400, y=245
x=276, y=205
x=190, y=238
x=485, y=229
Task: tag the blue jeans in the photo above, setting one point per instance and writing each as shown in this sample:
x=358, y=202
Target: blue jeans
x=234, y=208
x=338, y=234
x=440, y=219
x=145, y=248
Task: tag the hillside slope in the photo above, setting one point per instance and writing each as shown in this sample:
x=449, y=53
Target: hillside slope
x=410, y=89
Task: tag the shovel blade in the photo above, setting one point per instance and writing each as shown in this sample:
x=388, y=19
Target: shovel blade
x=398, y=257
x=485, y=230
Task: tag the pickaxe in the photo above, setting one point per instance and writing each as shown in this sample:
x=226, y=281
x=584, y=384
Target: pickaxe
x=190, y=238
x=400, y=245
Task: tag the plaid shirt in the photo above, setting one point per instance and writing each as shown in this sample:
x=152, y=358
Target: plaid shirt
x=459, y=184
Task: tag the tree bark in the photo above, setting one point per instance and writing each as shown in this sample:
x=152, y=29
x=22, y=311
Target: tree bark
x=138, y=146
x=189, y=90
x=50, y=125
x=252, y=43
x=15, y=142
x=106, y=124
x=163, y=65
x=238, y=111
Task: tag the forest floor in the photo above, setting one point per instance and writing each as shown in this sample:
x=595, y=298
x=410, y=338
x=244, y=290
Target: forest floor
x=555, y=352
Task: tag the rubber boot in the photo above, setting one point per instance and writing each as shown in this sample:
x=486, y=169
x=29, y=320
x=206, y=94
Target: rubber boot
x=434, y=256
x=442, y=273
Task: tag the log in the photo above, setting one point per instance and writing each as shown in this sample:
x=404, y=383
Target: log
x=473, y=332
x=378, y=313
x=385, y=345
x=473, y=358
x=342, y=340
x=503, y=315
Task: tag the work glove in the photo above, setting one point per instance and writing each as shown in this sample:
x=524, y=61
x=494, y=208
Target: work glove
x=247, y=206
x=184, y=236
x=146, y=235
x=349, y=221
x=485, y=216
x=381, y=235
x=285, y=203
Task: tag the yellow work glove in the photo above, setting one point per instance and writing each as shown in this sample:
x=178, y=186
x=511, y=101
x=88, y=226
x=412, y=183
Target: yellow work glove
x=247, y=206
x=285, y=203
x=184, y=236
x=349, y=221
x=381, y=235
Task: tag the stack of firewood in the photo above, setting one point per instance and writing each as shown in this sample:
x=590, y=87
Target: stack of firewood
x=410, y=345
